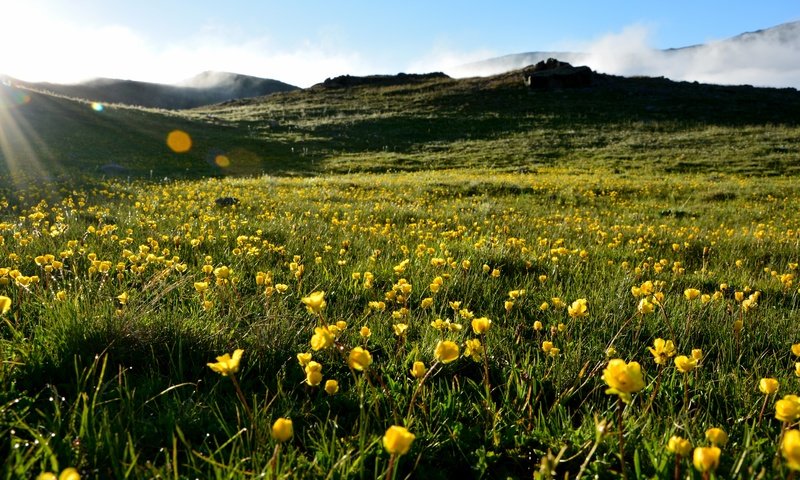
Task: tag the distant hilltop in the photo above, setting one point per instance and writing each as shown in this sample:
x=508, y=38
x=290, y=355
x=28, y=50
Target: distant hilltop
x=207, y=88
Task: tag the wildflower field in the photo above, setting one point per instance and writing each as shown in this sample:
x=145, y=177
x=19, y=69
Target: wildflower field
x=437, y=324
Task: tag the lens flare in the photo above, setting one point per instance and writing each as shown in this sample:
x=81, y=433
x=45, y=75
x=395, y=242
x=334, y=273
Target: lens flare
x=179, y=141
x=98, y=107
x=10, y=98
x=222, y=161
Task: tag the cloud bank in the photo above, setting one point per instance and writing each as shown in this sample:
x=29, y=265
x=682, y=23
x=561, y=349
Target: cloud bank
x=36, y=47
x=766, y=58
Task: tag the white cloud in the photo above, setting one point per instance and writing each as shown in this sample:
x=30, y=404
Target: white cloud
x=770, y=59
x=49, y=49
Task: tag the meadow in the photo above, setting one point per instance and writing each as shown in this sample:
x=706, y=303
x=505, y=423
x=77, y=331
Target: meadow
x=447, y=279
x=122, y=293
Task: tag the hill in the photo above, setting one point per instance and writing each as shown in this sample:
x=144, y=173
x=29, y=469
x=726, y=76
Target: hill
x=204, y=89
x=46, y=136
x=630, y=124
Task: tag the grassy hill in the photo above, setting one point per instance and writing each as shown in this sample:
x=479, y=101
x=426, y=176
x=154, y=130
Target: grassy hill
x=496, y=121
x=436, y=123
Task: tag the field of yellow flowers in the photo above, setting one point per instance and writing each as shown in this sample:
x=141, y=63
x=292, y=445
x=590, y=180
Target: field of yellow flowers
x=474, y=324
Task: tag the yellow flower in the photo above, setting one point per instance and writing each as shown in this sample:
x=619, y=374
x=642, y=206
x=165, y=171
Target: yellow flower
x=281, y=287
x=797, y=369
x=706, y=459
x=509, y=305
x=226, y=364
x=474, y=349
x=313, y=373
x=359, y=359
x=685, y=364
x=691, y=293
x=400, y=329
x=397, y=440
x=739, y=296
x=69, y=474
x=578, y=308
x=200, y=287
x=322, y=338
x=537, y=325
x=5, y=304
x=623, y=378
x=61, y=295
x=796, y=349
x=222, y=272
x=663, y=350
x=768, y=386
x=66, y=474
x=303, y=358
x=481, y=325
x=426, y=302
x=787, y=409
x=315, y=302
x=446, y=351
x=282, y=429
x=365, y=332
x=697, y=354
x=547, y=345
x=418, y=370
x=645, y=306
x=717, y=436
x=331, y=387
x=679, y=446
x=123, y=298
x=790, y=448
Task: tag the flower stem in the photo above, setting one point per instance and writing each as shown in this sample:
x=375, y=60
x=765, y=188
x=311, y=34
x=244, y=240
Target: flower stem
x=242, y=398
x=763, y=406
x=686, y=392
x=621, y=434
x=655, y=390
x=419, y=387
x=390, y=472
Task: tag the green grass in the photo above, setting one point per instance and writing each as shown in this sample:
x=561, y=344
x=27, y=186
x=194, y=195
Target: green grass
x=569, y=195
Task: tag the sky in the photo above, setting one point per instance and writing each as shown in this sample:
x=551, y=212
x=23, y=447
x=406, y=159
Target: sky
x=304, y=42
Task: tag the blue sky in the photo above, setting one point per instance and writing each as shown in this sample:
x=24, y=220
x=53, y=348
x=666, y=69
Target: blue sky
x=303, y=42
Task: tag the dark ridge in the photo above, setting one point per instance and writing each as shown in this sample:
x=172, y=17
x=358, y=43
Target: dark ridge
x=347, y=81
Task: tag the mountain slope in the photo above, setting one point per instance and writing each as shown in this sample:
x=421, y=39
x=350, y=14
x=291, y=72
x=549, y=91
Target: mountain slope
x=205, y=89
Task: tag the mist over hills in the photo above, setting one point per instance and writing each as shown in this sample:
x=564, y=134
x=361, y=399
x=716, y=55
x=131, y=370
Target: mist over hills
x=768, y=57
x=204, y=89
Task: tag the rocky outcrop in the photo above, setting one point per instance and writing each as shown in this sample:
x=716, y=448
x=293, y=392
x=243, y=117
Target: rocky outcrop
x=553, y=74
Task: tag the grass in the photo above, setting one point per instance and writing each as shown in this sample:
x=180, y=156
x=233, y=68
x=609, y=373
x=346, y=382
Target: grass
x=476, y=186
x=124, y=391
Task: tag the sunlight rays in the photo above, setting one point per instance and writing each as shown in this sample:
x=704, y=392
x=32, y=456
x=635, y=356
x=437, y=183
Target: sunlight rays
x=21, y=147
